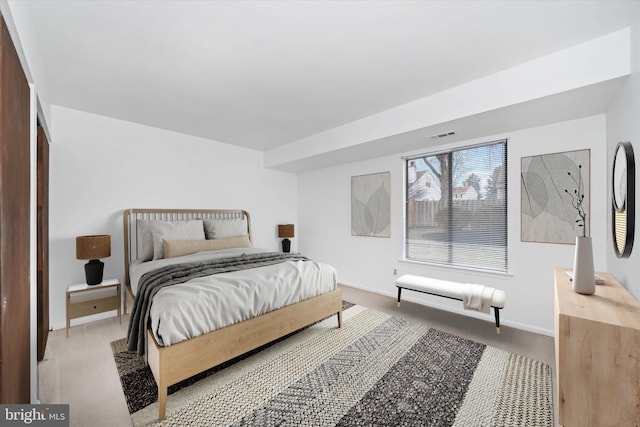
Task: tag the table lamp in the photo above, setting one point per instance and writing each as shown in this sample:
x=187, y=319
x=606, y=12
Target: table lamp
x=93, y=248
x=285, y=231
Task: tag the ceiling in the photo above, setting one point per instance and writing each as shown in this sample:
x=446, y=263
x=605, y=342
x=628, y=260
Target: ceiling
x=261, y=74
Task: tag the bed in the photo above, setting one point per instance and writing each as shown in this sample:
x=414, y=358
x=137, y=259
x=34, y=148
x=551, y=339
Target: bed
x=175, y=353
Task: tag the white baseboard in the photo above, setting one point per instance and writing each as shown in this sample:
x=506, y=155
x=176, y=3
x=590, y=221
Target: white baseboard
x=406, y=296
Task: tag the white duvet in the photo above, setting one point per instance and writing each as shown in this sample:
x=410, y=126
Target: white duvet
x=201, y=305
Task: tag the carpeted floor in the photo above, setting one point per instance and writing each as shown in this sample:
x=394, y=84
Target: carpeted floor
x=376, y=370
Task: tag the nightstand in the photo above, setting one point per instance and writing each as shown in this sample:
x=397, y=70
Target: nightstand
x=84, y=300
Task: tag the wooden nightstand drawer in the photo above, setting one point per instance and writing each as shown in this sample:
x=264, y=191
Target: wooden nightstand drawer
x=84, y=300
x=86, y=308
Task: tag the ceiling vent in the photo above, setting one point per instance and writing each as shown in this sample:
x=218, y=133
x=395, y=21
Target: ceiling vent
x=442, y=135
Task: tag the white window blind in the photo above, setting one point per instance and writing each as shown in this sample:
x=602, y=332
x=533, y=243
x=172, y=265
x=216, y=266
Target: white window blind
x=456, y=207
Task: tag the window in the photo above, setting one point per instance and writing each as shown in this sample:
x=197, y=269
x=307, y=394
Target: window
x=456, y=207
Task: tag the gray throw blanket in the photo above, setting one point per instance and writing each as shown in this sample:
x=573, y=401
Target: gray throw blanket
x=151, y=282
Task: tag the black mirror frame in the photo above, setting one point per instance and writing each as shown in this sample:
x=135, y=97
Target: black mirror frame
x=629, y=205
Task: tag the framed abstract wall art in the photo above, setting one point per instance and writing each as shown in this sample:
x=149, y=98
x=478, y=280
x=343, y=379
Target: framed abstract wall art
x=371, y=205
x=551, y=185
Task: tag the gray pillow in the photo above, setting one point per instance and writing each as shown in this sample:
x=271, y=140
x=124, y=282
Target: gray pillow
x=145, y=239
x=223, y=228
x=151, y=234
x=179, y=230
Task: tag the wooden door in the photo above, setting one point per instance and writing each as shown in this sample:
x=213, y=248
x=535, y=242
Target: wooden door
x=14, y=225
x=43, y=241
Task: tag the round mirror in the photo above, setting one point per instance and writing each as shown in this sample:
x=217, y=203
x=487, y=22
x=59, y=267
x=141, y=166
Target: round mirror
x=620, y=178
x=623, y=199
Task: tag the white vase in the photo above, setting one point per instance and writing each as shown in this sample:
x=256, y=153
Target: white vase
x=584, y=281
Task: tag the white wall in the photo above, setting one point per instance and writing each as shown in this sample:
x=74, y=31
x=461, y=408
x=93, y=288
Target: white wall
x=622, y=125
x=33, y=243
x=24, y=39
x=101, y=166
x=368, y=263
x=586, y=64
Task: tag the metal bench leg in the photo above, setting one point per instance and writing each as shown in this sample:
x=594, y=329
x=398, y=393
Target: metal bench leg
x=399, y=291
x=497, y=312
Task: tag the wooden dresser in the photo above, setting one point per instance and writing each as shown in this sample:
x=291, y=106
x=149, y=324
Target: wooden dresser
x=597, y=339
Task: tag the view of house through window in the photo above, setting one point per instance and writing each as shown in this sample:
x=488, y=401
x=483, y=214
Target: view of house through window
x=456, y=207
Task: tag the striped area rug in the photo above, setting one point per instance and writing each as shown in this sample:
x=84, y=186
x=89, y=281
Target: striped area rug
x=377, y=370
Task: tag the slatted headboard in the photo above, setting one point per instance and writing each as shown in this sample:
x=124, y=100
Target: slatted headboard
x=130, y=219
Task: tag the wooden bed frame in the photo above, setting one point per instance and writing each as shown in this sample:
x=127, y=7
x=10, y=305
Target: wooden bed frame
x=180, y=361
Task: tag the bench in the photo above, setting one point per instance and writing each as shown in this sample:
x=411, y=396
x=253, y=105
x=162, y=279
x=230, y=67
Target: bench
x=494, y=298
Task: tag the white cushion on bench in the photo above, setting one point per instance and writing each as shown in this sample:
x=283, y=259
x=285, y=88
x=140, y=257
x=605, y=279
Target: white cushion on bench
x=445, y=288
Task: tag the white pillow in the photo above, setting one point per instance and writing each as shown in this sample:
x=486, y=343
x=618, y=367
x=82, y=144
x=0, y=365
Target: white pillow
x=179, y=230
x=223, y=228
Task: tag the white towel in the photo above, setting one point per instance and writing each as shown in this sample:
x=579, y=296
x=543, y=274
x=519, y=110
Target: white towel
x=477, y=297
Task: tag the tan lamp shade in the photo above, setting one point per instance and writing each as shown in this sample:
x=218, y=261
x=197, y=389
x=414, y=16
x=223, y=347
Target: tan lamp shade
x=93, y=247
x=285, y=230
